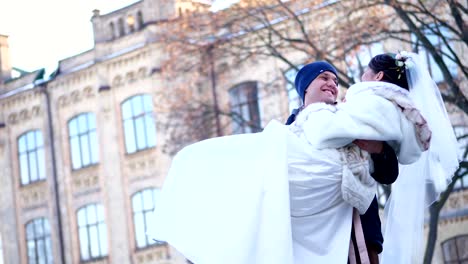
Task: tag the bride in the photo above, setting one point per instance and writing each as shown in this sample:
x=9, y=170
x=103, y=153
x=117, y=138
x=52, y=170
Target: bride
x=286, y=195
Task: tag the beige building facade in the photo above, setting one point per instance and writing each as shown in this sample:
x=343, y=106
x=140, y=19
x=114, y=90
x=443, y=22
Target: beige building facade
x=83, y=152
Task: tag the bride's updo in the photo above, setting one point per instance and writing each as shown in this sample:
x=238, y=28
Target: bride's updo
x=393, y=69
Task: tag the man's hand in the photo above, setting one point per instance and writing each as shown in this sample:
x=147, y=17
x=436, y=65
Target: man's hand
x=371, y=146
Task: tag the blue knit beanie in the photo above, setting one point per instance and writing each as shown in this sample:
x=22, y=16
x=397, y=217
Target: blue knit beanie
x=308, y=73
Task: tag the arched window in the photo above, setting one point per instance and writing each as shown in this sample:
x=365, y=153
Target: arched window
x=121, y=27
x=92, y=232
x=294, y=99
x=31, y=157
x=38, y=241
x=244, y=108
x=83, y=140
x=140, y=20
x=112, y=30
x=455, y=249
x=143, y=203
x=139, y=127
x=131, y=23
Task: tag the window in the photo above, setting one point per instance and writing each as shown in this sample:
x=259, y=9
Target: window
x=92, y=232
x=31, y=157
x=38, y=241
x=143, y=203
x=83, y=142
x=244, y=107
x=140, y=19
x=293, y=96
x=462, y=183
x=358, y=59
x=131, y=23
x=437, y=41
x=139, y=127
x=112, y=29
x=121, y=27
x=455, y=250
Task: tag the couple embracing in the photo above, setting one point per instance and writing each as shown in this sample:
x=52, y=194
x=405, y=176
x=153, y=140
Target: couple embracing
x=293, y=193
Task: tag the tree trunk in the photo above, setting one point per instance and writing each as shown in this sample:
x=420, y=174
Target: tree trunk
x=434, y=211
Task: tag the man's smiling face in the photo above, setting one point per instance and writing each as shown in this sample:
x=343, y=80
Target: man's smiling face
x=323, y=89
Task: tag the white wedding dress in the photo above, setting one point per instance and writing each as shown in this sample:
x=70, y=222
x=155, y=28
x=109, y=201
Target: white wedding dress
x=278, y=197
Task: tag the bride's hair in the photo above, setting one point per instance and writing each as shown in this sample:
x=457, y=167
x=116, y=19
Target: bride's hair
x=393, y=69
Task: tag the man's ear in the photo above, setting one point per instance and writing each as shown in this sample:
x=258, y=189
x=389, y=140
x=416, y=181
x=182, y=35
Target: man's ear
x=379, y=76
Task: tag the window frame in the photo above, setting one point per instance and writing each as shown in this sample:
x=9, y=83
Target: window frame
x=144, y=117
x=457, y=250
x=146, y=213
x=36, y=238
x=121, y=27
x=36, y=152
x=99, y=225
x=131, y=23
x=86, y=134
x=243, y=98
x=112, y=30
x=139, y=20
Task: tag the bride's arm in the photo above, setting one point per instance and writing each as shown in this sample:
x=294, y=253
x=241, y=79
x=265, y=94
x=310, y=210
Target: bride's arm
x=369, y=117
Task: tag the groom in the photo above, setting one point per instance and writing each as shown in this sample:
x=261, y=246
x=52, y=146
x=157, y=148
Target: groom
x=317, y=82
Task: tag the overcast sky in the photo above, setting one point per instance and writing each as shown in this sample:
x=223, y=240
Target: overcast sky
x=42, y=32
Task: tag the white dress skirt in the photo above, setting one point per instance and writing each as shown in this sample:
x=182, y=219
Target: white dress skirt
x=230, y=200
x=276, y=197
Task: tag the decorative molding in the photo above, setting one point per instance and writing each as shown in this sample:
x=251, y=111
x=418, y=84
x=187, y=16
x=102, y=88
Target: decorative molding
x=457, y=200
x=98, y=261
x=142, y=72
x=152, y=255
x=455, y=208
x=21, y=99
x=141, y=164
x=454, y=202
x=86, y=192
x=34, y=207
x=33, y=195
x=117, y=82
x=142, y=178
x=130, y=77
x=24, y=115
x=75, y=96
x=73, y=79
x=85, y=179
